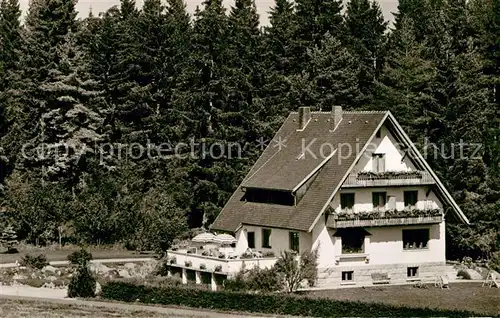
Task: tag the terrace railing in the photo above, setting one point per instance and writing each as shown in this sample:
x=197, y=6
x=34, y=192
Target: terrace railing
x=389, y=178
x=388, y=218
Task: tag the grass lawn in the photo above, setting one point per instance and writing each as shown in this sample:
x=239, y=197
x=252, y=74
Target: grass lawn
x=460, y=296
x=60, y=254
x=10, y=308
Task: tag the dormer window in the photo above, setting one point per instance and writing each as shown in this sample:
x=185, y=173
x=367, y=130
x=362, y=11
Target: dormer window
x=269, y=196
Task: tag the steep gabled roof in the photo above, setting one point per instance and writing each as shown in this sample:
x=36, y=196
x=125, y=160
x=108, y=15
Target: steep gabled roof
x=288, y=166
x=285, y=168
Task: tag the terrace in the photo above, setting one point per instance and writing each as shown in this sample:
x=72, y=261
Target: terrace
x=384, y=218
x=207, y=255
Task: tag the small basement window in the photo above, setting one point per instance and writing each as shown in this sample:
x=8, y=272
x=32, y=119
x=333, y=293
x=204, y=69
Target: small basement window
x=411, y=272
x=415, y=239
x=348, y=276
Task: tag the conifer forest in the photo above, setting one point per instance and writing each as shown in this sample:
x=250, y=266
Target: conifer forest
x=99, y=116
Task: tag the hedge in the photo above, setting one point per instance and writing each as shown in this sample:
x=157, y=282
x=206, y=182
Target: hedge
x=264, y=303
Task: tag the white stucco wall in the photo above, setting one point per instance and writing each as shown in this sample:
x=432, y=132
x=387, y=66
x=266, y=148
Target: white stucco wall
x=387, y=145
x=279, y=240
x=383, y=246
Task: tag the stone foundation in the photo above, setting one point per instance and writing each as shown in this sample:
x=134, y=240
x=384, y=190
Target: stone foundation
x=331, y=277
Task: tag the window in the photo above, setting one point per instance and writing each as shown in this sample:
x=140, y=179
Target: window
x=346, y=201
x=347, y=276
x=411, y=198
x=266, y=238
x=379, y=133
x=352, y=241
x=412, y=272
x=251, y=239
x=294, y=241
x=379, y=200
x=378, y=162
x=415, y=239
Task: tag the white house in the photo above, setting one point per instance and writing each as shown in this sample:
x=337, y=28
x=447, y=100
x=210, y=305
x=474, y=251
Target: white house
x=351, y=185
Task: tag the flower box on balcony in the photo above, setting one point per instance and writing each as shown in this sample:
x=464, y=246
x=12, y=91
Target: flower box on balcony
x=368, y=175
x=386, y=218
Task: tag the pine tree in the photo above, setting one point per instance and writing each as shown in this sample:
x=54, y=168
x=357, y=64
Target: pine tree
x=280, y=62
x=415, y=11
x=365, y=28
x=405, y=86
x=335, y=75
x=10, y=39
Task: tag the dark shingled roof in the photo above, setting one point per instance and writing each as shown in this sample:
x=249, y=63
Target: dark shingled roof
x=286, y=167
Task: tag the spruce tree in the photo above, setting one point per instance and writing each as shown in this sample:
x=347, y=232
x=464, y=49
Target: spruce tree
x=365, y=28
x=280, y=60
x=405, y=86
x=10, y=39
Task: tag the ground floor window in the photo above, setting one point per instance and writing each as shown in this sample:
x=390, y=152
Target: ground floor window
x=415, y=239
x=352, y=240
x=412, y=272
x=347, y=276
x=294, y=241
x=266, y=238
x=251, y=239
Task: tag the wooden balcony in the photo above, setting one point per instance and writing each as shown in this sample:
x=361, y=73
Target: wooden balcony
x=377, y=219
x=355, y=180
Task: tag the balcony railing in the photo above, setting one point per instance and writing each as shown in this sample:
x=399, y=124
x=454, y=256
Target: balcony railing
x=388, y=218
x=389, y=178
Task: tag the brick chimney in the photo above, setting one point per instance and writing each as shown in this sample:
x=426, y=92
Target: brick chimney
x=336, y=117
x=304, y=117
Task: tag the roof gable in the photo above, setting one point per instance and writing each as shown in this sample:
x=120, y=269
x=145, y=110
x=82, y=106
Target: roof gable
x=289, y=166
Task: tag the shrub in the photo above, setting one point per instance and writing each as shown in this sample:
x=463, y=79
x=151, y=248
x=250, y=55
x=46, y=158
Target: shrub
x=82, y=284
x=273, y=304
x=464, y=274
x=81, y=257
x=265, y=280
x=38, y=262
x=294, y=272
x=269, y=254
x=246, y=255
x=188, y=263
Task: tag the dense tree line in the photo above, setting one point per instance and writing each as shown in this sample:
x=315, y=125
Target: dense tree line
x=89, y=105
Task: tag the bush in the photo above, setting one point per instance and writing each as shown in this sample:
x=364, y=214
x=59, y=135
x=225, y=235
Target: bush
x=464, y=274
x=81, y=257
x=82, y=284
x=273, y=304
x=269, y=254
x=294, y=271
x=38, y=262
